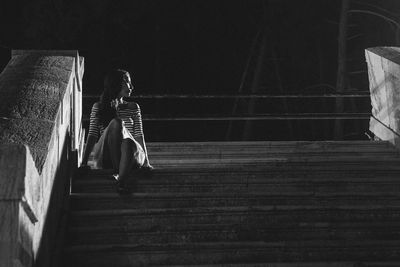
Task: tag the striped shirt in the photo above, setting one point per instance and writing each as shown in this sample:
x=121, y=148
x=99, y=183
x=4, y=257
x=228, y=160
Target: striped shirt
x=130, y=116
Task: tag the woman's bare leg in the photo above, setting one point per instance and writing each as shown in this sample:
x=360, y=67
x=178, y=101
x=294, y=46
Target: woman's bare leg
x=114, y=140
x=128, y=161
x=121, y=153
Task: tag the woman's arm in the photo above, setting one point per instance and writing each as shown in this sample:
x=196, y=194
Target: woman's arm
x=138, y=132
x=143, y=144
x=92, y=135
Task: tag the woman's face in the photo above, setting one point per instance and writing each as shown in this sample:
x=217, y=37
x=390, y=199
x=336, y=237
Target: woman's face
x=127, y=87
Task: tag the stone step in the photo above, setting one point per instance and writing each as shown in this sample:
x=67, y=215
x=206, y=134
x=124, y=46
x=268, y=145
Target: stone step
x=248, y=158
x=232, y=252
x=262, y=152
x=270, y=156
x=308, y=149
x=338, y=163
x=99, y=201
x=273, y=151
x=276, y=173
x=236, y=233
x=272, y=215
x=356, y=263
x=281, y=165
x=189, y=162
x=243, y=203
x=284, y=146
x=245, y=180
x=251, y=185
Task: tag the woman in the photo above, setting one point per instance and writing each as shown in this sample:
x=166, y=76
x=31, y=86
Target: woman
x=115, y=131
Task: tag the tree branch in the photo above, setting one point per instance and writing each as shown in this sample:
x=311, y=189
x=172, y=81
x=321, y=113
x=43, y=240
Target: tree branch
x=387, y=19
x=376, y=7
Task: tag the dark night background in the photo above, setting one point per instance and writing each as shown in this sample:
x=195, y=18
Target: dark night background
x=202, y=47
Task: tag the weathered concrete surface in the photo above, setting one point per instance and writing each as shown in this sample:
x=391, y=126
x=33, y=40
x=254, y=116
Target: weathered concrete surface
x=31, y=88
x=19, y=188
x=39, y=97
x=33, y=132
x=384, y=79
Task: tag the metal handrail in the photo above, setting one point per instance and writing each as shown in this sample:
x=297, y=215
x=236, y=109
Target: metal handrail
x=257, y=117
x=251, y=117
x=188, y=96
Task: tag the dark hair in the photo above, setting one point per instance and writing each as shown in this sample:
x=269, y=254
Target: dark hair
x=112, y=86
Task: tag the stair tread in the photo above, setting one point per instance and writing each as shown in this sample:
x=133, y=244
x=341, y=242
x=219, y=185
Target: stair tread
x=312, y=182
x=300, y=264
x=234, y=245
x=269, y=143
x=248, y=152
x=278, y=153
x=245, y=186
x=99, y=201
x=220, y=227
x=236, y=232
x=319, y=202
x=240, y=169
x=264, y=166
x=161, y=176
x=259, y=167
x=276, y=159
x=235, y=209
x=250, y=195
x=218, y=177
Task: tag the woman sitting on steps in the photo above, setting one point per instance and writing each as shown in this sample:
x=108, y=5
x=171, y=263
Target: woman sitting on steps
x=115, y=131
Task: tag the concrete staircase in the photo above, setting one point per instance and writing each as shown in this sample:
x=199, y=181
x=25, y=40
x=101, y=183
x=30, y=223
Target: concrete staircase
x=244, y=204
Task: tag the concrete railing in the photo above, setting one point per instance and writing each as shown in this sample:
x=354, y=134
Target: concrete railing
x=40, y=146
x=384, y=80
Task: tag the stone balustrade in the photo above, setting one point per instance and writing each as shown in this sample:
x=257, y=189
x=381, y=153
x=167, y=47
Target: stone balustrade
x=384, y=80
x=40, y=145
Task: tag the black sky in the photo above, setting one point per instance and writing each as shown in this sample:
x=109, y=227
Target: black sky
x=197, y=47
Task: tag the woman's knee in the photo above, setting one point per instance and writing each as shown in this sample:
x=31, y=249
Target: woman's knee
x=129, y=146
x=129, y=151
x=115, y=125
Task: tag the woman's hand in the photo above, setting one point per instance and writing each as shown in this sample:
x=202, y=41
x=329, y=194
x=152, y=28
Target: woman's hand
x=118, y=103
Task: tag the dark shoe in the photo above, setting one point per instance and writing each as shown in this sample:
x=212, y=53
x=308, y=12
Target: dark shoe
x=122, y=188
x=83, y=170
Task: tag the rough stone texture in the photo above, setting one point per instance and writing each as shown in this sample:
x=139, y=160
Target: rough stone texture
x=15, y=251
x=18, y=190
x=34, y=133
x=384, y=79
x=38, y=91
x=31, y=88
